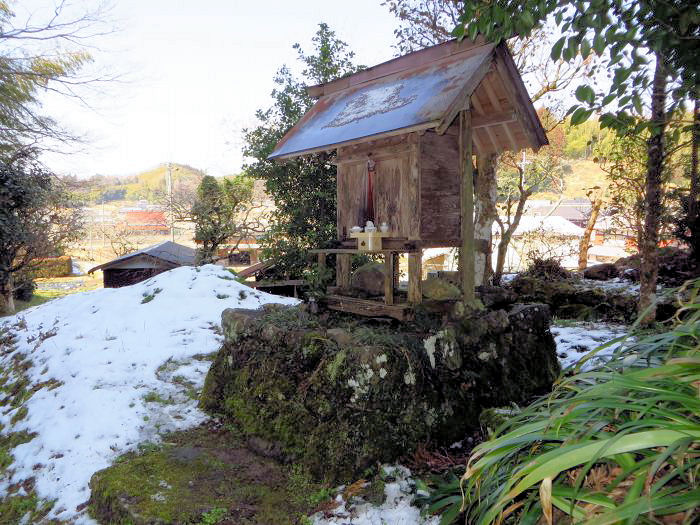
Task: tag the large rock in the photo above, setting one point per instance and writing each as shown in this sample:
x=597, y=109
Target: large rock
x=495, y=296
x=601, y=272
x=340, y=401
x=568, y=301
x=369, y=279
x=236, y=320
x=437, y=289
x=675, y=266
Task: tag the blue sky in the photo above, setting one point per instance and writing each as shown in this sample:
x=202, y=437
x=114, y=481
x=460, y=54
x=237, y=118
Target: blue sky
x=192, y=75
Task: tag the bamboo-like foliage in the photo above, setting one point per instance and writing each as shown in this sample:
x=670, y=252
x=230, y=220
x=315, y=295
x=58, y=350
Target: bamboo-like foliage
x=617, y=444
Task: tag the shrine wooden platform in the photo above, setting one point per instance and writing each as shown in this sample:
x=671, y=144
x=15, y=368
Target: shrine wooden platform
x=337, y=298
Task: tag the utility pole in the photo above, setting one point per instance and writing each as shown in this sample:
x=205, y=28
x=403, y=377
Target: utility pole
x=103, y=221
x=169, y=183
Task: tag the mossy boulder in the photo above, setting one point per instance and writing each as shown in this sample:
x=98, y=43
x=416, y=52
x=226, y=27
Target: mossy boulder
x=203, y=475
x=676, y=266
x=569, y=301
x=601, y=272
x=368, y=279
x=495, y=296
x=339, y=405
x=437, y=289
x=492, y=418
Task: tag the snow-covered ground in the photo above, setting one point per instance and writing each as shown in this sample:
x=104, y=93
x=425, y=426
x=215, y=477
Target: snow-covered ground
x=613, y=285
x=397, y=508
x=112, y=368
x=576, y=339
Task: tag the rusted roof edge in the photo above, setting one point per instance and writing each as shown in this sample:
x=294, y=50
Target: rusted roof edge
x=462, y=99
x=120, y=260
x=328, y=147
x=397, y=65
x=524, y=106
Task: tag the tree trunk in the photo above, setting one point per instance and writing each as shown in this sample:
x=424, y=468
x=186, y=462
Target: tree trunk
x=694, y=183
x=585, y=242
x=508, y=234
x=485, y=212
x=7, y=301
x=652, y=209
x=501, y=257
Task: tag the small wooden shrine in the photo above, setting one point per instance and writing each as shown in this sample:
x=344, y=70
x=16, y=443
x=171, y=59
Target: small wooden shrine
x=405, y=133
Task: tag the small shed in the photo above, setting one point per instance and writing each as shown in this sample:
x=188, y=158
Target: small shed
x=405, y=133
x=140, y=265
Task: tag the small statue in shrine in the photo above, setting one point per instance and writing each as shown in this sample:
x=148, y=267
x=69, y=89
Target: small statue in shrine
x=371, y=167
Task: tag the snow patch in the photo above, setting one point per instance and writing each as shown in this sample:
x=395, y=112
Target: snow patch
x=575, y=340
x=129, y=370
x=397, y=509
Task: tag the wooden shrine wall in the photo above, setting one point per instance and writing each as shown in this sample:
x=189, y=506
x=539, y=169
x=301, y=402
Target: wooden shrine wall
x=440, y=187
x=396, y=185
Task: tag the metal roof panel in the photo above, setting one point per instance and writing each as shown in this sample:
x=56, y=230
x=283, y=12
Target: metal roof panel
x=416, y=98
x=167, y=251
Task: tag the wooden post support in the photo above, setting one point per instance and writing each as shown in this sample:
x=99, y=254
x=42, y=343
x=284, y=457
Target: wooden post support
x=397, y=270
x=389, y=278
x=342, y=270
x=466, y=253
x=415, y=270
x=321, y=259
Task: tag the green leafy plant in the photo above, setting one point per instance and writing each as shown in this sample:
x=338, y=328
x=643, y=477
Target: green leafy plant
x=616, y=444
x=223, y=214
x=155, y=397
x=149, y=296
x=304, y=189
x=213, y=517
x=444, y=499
x=318, y=277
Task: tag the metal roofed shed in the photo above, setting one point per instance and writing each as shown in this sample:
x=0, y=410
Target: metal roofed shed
x=404, y=133
x=143, y=264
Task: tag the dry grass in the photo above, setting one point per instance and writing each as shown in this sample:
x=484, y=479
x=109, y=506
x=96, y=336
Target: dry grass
x=45, y=292
x=584, y=175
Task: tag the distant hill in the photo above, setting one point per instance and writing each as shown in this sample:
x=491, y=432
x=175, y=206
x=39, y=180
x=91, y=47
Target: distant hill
x=135, y=187
x=155, y=178
x=580, y=177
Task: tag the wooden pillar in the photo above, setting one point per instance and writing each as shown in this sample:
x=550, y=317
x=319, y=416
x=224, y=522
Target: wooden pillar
x=397, y=270
x=485, y=214
x=342, y=270
x=466, y=254
x=389, y=278
x=415, y=270
x=321, y=259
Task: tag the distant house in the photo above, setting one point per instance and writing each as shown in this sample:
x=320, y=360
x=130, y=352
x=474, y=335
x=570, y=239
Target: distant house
x=544, y=237
x=143, y=264
x=138, y=221
x=573, y=210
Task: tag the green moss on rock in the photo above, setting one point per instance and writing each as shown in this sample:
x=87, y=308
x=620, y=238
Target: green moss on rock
x=199, y=474
x=570, y=302
x=341, y=408
x=438, y=289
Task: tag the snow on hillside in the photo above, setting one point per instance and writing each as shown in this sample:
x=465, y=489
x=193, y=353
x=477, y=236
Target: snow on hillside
x=112, y=368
